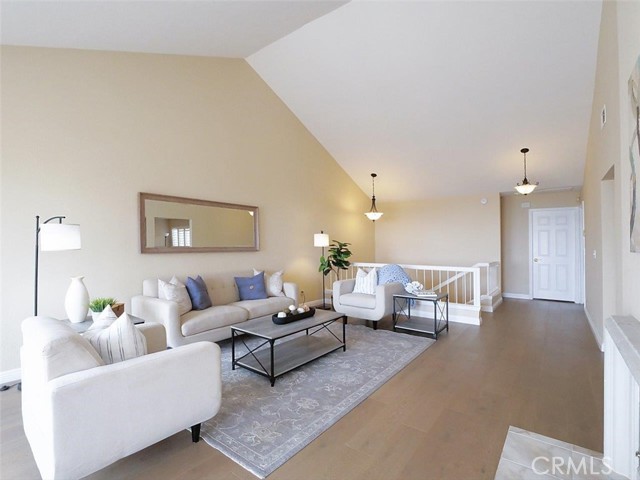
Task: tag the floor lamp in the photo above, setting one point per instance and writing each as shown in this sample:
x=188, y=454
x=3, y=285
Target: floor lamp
x=52, y=237
x=55, y=237
x=321, y=240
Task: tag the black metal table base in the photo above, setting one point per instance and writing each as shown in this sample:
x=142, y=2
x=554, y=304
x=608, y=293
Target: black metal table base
x=403, y=320
x=273, y=358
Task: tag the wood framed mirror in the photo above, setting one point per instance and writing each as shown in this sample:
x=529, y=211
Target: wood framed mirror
x=184, y=225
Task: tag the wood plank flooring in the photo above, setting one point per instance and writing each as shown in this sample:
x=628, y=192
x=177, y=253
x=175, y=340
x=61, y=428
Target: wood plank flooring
x=532, y=364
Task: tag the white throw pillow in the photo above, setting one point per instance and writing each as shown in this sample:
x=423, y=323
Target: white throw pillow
x=177, y=292
x=119, y=342
x=273, y=283
x=105, y=319
x=366, y=282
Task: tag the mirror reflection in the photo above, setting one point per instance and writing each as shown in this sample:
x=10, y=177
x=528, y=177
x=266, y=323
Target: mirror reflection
x=176, y=224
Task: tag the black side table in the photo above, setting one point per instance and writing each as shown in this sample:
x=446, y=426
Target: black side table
x=403, y=320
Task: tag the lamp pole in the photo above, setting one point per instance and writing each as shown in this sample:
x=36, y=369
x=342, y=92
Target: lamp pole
x=35, y=290
x=322, y=240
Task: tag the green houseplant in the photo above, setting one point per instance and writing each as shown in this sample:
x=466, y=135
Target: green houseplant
x=97, y=305
x=336, y=260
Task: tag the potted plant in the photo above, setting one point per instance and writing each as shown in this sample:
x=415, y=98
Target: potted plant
x=336, y=260
x=97, y=305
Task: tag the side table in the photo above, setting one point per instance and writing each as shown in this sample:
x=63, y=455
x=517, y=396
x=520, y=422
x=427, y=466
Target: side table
x=84, y=326
x=403, y=320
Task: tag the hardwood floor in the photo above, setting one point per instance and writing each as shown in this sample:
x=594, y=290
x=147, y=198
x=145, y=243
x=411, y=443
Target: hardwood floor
x=532, y=364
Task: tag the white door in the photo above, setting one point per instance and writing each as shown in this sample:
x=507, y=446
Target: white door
x=553, y=246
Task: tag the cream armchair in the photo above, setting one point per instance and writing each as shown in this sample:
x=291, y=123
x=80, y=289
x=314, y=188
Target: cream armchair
x=362, y=305
x=81, y=415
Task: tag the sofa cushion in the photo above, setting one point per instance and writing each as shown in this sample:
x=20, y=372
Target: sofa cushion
x=366, y=282
x=198, y=292
x=265, y=306
x=105, y=319
x=360, y=300
x=175, y=291
x=273, y=283
x=251, y=288
x=118, y=342
x=198, y=321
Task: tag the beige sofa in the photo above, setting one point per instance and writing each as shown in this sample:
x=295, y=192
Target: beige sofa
x=212, y=324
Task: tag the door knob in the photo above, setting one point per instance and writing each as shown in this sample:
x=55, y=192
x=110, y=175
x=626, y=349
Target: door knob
x=535, y=260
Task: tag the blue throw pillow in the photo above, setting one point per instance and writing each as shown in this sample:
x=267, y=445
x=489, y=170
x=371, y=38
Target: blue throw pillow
x=251, y=288
x=197, y=290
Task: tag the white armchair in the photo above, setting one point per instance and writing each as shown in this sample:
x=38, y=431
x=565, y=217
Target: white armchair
x=81, y=415
x=362, y=305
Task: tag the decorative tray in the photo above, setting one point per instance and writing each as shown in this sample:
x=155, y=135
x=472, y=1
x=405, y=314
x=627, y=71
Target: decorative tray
x=293, y=317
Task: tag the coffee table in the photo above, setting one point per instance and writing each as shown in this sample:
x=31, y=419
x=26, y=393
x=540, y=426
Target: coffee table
x=279, y=354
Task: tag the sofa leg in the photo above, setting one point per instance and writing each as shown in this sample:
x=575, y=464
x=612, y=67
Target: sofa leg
x=375, y=325
x=195, y=433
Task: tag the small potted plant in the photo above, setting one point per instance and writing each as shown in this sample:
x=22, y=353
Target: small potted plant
x=97, y=305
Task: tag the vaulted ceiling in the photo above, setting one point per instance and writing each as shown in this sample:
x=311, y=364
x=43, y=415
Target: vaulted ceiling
x=437, y=97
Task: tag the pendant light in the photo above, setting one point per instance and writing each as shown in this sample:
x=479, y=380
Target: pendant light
x=525, y=188
x=373, y=214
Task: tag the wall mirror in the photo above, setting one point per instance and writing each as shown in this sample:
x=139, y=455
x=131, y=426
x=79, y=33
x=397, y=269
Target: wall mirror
x=178, y=225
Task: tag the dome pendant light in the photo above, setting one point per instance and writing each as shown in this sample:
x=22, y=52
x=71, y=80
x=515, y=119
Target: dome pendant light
x=373, y=214
x=525, y=188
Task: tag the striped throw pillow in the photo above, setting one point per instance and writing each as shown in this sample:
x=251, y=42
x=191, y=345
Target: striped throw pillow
x=118, y=342
x=366, y=282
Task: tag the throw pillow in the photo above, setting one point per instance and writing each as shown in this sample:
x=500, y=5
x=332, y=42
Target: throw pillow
x=198, y=293
x=251, y=288
x=366, y=282
x=105, y=319
x=175, y=291
x=273, y=283
x=118, y=342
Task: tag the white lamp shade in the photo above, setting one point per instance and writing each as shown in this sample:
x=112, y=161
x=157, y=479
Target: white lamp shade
x=525, y=188
x=373, y=216
x=320, y=240
x=59, y=236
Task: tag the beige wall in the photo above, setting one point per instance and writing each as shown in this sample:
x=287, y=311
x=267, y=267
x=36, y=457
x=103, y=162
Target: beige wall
x=515, y=234
x=455, y=231
x=83, y=132
x=606, y=203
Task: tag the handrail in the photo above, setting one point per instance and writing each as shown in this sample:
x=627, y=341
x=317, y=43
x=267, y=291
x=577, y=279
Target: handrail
x=465, y=285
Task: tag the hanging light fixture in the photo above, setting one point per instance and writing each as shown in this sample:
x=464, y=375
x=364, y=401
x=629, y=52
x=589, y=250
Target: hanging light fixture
x=373, y=214
x=525, y=188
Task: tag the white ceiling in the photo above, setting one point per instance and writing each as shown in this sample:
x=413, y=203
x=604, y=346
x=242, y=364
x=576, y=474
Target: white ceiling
x=438, y=98
x=228, y=28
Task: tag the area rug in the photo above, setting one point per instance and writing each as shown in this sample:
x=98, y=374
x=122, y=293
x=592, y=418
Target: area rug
x=260, y=427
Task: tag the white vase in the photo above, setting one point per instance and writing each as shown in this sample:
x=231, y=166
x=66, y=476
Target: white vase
x=76, y=301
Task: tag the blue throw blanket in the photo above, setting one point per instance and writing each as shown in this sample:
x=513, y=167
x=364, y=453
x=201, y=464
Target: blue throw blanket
x=392, y=273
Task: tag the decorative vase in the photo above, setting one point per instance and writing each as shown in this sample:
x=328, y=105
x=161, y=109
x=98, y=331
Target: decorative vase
x=76, y=301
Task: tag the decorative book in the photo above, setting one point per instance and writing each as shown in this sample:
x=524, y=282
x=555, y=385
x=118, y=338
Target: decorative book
x=425, y=293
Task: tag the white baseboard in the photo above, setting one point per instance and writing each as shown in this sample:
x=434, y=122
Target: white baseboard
x=492, y=307
x=10, y=376
x=520, y=296
x=596, y=335
x=468, y=314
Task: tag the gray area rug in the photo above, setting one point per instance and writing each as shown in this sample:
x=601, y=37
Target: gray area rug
x=261, y=427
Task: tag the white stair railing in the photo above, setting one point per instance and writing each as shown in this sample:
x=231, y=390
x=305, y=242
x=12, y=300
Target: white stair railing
x=490, y=276
x=471, y=289
x=463, y=284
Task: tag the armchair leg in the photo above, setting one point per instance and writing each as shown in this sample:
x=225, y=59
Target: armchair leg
x=375, y=325
x=195, y=433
